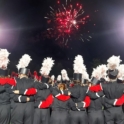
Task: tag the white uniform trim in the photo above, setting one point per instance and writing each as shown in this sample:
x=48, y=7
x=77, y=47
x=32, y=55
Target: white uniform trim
x=25, y=91
x=62, y=92
x=40, y=104
x=101, y=86
x=19, y=98
x=36, y=90
x=46, y=85
x=97, y=95
x=115, y=101
x=87, y=90
x=12, y=87
x=78, y=109
x=58, y=95
x=15, y=80
x=84, y=104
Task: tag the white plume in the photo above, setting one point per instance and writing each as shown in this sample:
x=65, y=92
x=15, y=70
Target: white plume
x=113, y=62
x=85, y=75
x=78, y=64
x=64, y=75
x=24, y=61
x=96, y=73
x=46, y=66
x=121, y=72
x=4, y=54
x=79, y=67
x=100, y=72
x=52, y=77
x=63, y=71
x=67, y=78
x=103, y=69
x=59, y=78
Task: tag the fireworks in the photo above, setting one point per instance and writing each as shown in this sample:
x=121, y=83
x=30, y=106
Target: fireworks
x=66, y=22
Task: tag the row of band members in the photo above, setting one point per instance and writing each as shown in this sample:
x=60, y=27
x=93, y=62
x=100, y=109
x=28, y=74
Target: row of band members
x=26, y=101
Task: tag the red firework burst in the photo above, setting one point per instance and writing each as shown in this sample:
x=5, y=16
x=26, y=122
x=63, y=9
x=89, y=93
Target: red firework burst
x=65, y=22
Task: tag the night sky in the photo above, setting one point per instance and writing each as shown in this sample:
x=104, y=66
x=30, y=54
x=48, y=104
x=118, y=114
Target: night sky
x=22, y=23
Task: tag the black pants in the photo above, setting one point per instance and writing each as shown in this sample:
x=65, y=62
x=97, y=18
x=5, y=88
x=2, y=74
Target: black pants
x=96, y=117
x=5, y=114
x=114, y=115
x=59, y=117
x=41, y=116
x=78, y=117
x=22, y=113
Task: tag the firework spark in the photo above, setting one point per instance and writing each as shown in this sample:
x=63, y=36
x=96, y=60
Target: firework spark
x=65, y=22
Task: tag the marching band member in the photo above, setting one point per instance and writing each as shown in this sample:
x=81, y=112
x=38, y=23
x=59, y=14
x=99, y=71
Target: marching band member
x=42, y=108
x=5, y=84
x=23, y=94
x=112, y=90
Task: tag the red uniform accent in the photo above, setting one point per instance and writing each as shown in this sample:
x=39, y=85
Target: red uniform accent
x=36, y=75
x=47, y=102
x=13, y=74
x=87, y=101
x=63, y=97
x=120, y=101
x=2, y=81
x=71, y=85
x=35, y=72
x=10, y=81
x=39, y=78
x=95, y=88
x=30, y=91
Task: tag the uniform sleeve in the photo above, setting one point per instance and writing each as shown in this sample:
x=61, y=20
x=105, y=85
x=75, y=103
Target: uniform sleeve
x=18, y=98
x=41, y=86
x=92, y=95
x=113, y=102
x=21, y=99
x=108, y=101
x=84, y=104
x=86, y=101
x=72, y=105
x=56, y=93
x=96, y=88
x=119, y=101
x=62, y=97
x=28, y=92
x=46, y=103
x=11, y=81
x=95, y=95
x=2, y=81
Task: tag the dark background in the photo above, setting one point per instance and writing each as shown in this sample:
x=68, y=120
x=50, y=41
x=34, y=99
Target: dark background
x=22, y=23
